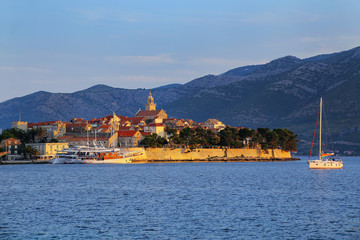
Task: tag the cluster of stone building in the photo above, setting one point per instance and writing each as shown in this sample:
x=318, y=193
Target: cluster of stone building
x=110, y=131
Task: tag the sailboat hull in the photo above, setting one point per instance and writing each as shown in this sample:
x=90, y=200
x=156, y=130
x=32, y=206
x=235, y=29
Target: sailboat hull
x=113, y=161
x=325, y=164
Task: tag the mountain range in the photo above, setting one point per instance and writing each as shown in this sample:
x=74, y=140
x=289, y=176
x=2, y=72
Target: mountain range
x=283, y=93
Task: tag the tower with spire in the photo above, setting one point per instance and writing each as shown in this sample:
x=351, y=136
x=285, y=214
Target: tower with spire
x=150, y=104
x=150, y=111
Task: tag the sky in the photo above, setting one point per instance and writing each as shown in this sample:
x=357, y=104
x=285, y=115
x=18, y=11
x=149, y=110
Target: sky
x=67, y=46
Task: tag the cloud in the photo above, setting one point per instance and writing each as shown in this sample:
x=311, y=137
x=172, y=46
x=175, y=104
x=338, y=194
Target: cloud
x=162, y=58
x=23, y=69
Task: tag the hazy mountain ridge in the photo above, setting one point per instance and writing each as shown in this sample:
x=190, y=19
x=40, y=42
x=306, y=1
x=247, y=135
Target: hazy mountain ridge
x=282, y=93
x=283, y=96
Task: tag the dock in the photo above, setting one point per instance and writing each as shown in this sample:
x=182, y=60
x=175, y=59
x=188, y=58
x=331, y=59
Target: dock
x=14, y=162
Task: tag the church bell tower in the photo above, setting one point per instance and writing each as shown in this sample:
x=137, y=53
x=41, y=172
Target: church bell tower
x=150, y=105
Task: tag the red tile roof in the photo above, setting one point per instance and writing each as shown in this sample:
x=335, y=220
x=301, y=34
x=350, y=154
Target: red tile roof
x=45, y=123
x=65, y=137
x=105, y=126
x=77, y=120
x=128, y=133
x=156, y=125
x=10, y=142
x=133, y=120
x=96, y=120
x=31, y=125
x=124, y=128
x=148, y=113
x=84, y=139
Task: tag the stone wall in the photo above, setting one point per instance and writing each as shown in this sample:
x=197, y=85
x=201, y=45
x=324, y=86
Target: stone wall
x=204, y=153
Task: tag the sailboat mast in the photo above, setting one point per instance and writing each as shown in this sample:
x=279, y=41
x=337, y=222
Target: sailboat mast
x=87, y=134
x=320, y=128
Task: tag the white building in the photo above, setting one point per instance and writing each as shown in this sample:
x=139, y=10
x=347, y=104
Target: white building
x=47, y=150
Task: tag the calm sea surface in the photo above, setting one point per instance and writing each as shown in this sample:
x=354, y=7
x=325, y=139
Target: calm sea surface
x=280, y=200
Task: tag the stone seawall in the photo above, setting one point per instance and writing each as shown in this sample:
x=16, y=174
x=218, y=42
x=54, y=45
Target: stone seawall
x=201, y=154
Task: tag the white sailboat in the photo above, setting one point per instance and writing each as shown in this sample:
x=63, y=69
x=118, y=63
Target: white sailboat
x=324, y=162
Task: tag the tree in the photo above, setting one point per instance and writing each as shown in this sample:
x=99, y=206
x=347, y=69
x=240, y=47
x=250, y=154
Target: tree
x=30, y=151
x=287, y=139
x=256, y=140
x=187, y=133
x=187, y=137
x=171, y=131
x=153, y=140
x=174, y=136
x=249, y=138
x=41, y=134
x=35, y=135
x=193, y=138
x=6, y=134
x=211, y=138
x=200, y=136
x=229, y=137
x=270, y=138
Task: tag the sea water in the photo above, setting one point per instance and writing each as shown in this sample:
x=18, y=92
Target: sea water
x=255, y=200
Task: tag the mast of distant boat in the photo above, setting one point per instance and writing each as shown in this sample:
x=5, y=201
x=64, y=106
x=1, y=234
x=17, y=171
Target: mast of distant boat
x=87, y=134
x=320, y=128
